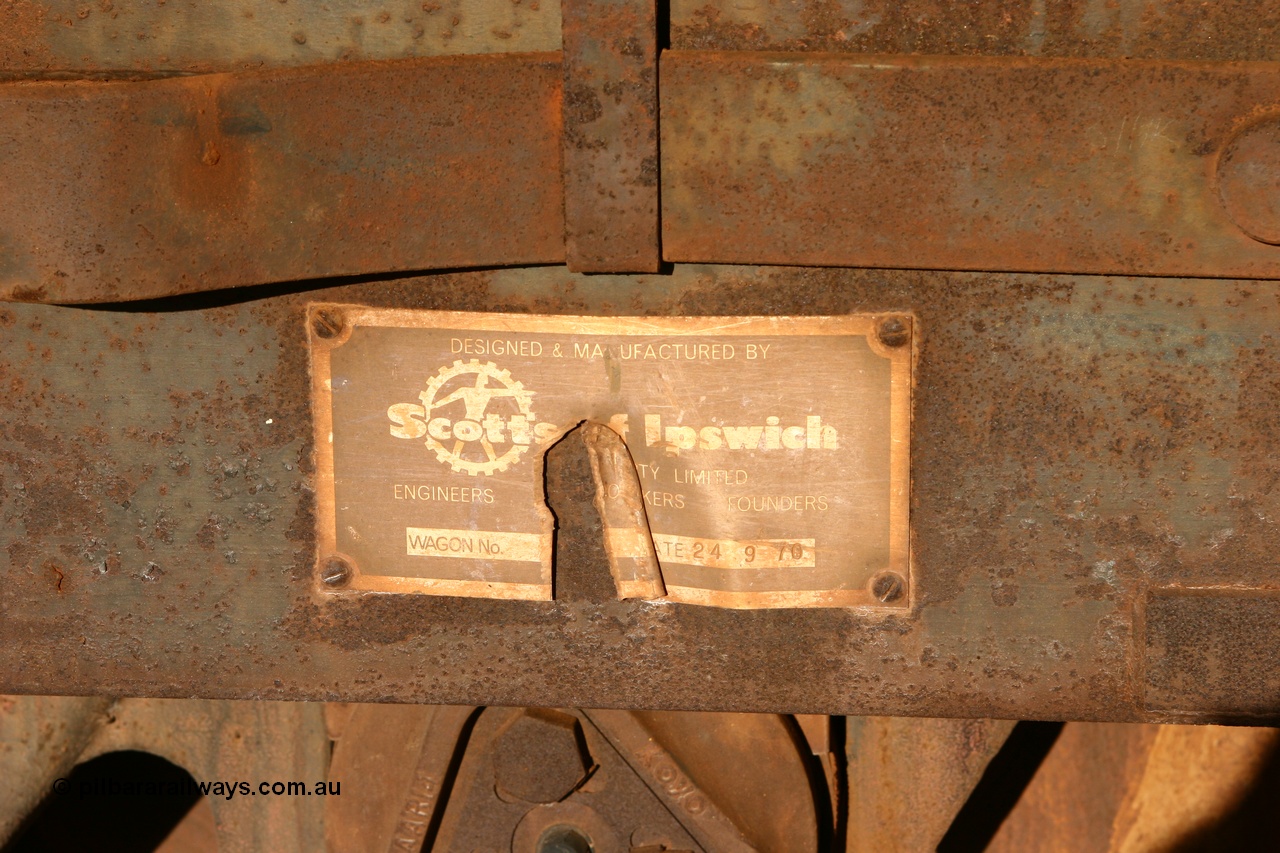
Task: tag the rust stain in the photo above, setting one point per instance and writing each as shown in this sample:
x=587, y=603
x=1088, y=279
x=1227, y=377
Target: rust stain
x=59, y=577
x=611, y=136
x=22, y=30
x=955, y=163
x=218, y=181
x=1183, y=29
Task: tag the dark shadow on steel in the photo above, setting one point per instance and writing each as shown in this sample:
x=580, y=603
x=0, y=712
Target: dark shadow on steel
x=1006, y=777
x=96, y=807
x=1254, y=823
x=839, y=741
x=450, y=778
x=204, y=299
x=830, y=828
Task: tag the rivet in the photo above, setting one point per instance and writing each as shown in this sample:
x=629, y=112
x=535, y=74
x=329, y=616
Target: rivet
x=1248, y=175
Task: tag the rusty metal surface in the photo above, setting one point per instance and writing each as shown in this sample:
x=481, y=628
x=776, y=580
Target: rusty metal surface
x=1076, y=442
x=528, y=771
x=185, y=35
x=970, y=163
x=611, y=136
x=747, y=765
x=171, y=186
x=964, y=163
x=1247, y=174
x=624, y=781
x=430, y=778
x=1198, y=640
x=69, y=38
x=66, y=36
x=44, y=737
x=1148, y=789
x=909, y=777
x=1174, y=29
x=392, y=763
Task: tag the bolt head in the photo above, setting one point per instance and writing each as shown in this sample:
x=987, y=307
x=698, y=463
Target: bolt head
x=893, y=332
x=888, y=586
x=327, y=323
x=1248, y=173
x=335, y=572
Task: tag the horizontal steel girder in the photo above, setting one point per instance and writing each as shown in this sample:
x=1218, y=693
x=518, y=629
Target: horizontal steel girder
x=130, y=190
x=984, y=163
x=1093, y=513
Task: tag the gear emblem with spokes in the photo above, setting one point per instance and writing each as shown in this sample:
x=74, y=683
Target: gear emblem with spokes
x=467, y=389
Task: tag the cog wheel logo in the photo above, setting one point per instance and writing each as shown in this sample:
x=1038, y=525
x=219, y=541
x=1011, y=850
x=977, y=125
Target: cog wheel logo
x=463, y=395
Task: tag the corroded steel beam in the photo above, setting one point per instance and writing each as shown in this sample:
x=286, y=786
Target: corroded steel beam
x=1117, y=167
x=1093, y=513
x=1153, y=168
x=114, y=191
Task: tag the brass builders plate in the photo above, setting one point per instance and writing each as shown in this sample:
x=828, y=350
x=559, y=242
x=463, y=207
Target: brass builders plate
x=771, y=452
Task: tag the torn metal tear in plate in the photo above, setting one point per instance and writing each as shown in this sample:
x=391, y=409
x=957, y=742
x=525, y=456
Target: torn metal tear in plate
x=765, y=461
